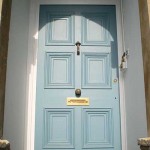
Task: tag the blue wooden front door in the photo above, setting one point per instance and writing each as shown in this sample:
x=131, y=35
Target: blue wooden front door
x=61, y=71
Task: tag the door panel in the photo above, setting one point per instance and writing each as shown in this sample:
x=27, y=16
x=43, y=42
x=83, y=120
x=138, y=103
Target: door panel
x=96, y=78
x=58, y=128
x=56, y=35
x=95, y=29
x=61, y=71
x=97, y=128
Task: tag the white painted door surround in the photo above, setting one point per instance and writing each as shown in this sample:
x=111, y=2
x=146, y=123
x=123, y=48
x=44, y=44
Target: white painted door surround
x=32, y=64
x=33, y=44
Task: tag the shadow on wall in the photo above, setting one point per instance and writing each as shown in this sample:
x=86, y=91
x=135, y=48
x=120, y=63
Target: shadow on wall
x=4, y=38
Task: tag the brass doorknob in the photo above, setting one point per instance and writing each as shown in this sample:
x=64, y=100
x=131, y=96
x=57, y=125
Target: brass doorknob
x=78, y=92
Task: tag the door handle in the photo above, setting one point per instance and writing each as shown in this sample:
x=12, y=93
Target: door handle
x=78, y=47
x=78, y=92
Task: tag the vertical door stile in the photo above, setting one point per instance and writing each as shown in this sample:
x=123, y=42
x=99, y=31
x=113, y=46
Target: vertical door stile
x=78, y=78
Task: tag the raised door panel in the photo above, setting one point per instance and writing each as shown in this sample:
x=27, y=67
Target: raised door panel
x=60, y=29
x=97, y=128
x=58, y=128
x=95, y=28
x=96, y=70
x=59, y=70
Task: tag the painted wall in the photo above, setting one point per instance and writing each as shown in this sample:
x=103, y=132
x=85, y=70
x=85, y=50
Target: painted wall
x=134, y=83
x=16, y=75
x=145, y=30
x=14, y=124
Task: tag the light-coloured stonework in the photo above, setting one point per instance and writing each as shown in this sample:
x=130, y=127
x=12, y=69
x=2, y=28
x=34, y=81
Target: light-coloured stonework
x=144, y=141
x=4, y=143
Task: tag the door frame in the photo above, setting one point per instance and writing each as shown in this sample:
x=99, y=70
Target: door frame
x=32, y=64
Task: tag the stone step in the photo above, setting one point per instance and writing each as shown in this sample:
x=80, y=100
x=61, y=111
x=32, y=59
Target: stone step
x=4, y=145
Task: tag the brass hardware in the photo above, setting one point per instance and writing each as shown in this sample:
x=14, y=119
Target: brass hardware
x=71, y=101
x=115, y=80
x=78, y=43
x=78, y=92
x=123, y=65
x=123, y=61
x=78, y=47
